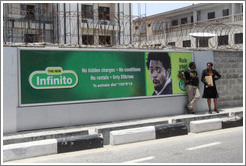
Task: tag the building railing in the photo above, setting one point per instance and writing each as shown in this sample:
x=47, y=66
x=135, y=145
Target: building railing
x=238, y=17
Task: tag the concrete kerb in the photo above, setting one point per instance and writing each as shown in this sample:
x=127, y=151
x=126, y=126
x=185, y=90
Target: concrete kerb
x=201, y=117
x=205, y=125
x=118, y=137
x=232, y=118
x=51, y=146
x=105, y=131
x=30, y=136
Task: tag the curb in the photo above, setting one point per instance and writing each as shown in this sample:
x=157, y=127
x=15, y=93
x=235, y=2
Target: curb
x=27, y=137
x=205, y=125
x=147, y=133
x=158, y=130
x=105, y=131
x=76, y=143
x=233, y=122
x=171, y=130
x=51, y=146
x=215, y=124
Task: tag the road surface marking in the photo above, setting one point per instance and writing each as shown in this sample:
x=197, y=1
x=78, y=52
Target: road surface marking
x=204, y=146
x=139, y=160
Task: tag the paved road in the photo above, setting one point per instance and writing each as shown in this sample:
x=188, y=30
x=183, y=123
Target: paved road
x=220, y=146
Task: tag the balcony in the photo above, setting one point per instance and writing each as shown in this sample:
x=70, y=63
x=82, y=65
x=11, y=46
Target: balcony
x=99, y=24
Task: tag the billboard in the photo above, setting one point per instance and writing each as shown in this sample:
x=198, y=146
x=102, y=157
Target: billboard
x=52, y=76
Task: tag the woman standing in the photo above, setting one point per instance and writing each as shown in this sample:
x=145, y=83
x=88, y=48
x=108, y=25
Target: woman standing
x=210, y=90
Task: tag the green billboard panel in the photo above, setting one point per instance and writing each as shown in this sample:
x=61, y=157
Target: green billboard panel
x=48, y=76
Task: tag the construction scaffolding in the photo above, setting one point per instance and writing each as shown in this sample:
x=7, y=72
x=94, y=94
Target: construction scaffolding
x=50, y=24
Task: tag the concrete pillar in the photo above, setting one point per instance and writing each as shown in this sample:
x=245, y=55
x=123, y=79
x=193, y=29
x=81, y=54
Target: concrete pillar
x=6, y=31
x=194, y=17
x=233, y=11
x=79, y=24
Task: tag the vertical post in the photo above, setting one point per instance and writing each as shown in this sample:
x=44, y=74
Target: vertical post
x=65, y=33
x=44, y=34
x=78, y=21
x=58, y=22
x=119, y=23
x=6, y=33
x=130, y=13
x=70, y=24
x=39, y=21
x=194, y=17
x=233, y=11
x=53, y=18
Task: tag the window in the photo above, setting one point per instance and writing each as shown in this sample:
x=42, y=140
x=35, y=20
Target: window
x=28, y=10
x=225, y=12
x=203, y=42
x=87, y=11
x=171, y=44
x=158, y=26
x=104, y=13
x=87, y=39
x=104, y=40
x=238, y=38
x=174, y=22
x=184, y=20
x=211, y=15
x=222, y=40
x=187, y=43
x=191, y=19
x=31, y=38
x=142, y=27
x=136, y=27
x=149, y=25
x=157, y=45
x=23, y=6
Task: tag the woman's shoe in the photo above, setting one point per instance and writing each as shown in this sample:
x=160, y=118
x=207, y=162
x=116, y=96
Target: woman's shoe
x=210, y=112
x=216, y=110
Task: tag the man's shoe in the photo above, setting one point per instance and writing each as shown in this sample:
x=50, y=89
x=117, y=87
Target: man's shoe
x=187, y=110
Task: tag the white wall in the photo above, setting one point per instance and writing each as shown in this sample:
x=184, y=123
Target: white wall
x=17, y=118
x=10, y=89
x=201, y=58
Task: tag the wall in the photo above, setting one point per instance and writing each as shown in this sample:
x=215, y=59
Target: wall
x=201, y=58
x=17, y=118
x=230, y=87
x=10, y=89
x=37, y=117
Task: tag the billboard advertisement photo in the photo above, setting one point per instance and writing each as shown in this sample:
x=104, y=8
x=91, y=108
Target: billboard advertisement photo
x=51, y=76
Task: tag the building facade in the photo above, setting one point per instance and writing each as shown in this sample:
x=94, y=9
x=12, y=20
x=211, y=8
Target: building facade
x=215, y=26
x=68, y=23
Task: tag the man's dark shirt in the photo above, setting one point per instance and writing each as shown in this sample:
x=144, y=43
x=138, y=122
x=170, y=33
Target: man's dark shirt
x=192, y=77
x=167, y=90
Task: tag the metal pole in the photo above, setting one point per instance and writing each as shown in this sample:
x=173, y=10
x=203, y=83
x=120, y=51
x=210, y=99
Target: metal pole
x=78, y=20
x=130, y=12
x=58, y=23
x=44, y=34
x=70, y=27
x=6, y=8
x=119, y=23
x=65, y=33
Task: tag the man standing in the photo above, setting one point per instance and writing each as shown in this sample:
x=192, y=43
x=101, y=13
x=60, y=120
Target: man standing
x=159, y=66
x=190, y=77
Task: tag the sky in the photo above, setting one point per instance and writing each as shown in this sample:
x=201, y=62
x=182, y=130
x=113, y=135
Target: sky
x=155, y=8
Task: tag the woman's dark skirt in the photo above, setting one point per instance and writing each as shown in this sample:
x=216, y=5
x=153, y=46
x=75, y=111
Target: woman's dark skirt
x=210, y=92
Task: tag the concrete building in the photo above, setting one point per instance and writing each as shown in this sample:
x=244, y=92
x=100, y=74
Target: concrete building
x=215, y=26
x=68, y=23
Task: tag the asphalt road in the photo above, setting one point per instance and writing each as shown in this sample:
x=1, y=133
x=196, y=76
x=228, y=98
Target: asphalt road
x=220, y=146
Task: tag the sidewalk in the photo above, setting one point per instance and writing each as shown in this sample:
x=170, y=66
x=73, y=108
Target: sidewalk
x=96, y=135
